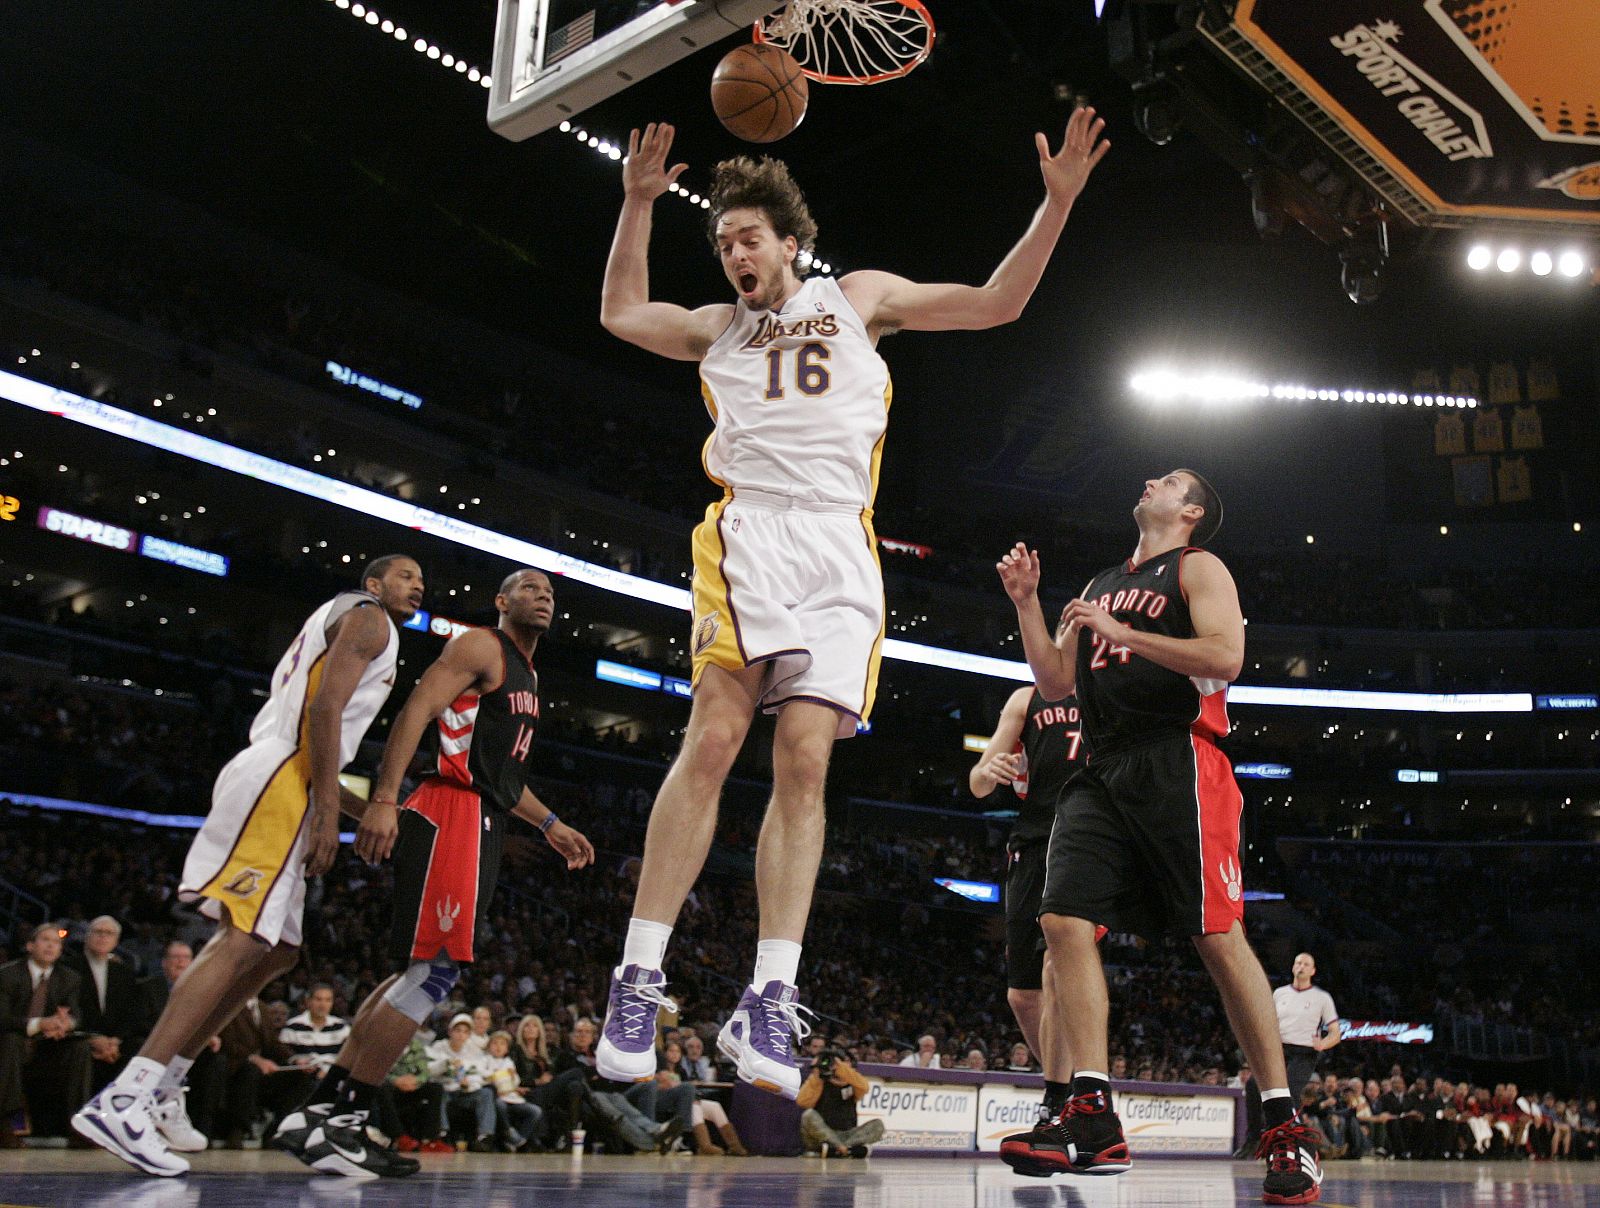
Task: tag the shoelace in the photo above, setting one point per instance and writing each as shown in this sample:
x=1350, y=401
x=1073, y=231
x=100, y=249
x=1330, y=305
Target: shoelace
x=632, y=1013
x=1090, y=1104
x=1281, y=1146
x=783, y=1020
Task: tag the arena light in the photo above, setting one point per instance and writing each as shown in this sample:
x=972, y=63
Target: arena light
x=1209, y=388
x=1540, y=261
x=114, y=421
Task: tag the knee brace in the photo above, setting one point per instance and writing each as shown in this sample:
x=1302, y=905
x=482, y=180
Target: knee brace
x=418, y=991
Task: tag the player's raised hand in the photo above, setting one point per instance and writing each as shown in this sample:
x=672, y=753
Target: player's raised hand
x=1019, y=572
x=645, y=173
x=1068, y=169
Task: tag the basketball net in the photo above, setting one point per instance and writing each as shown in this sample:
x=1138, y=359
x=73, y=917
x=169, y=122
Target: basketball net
x=851, y=41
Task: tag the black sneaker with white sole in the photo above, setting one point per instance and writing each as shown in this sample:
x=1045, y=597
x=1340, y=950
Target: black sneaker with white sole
x=341, y=1146
x=294, y=1129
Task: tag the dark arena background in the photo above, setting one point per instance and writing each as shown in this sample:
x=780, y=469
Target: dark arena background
x=275, y=300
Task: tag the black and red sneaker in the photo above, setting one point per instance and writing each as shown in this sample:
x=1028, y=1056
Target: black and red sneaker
x=1294, y=1176
x=1086, y=1138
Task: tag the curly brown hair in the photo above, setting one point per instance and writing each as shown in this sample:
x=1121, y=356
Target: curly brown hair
x=763, y=184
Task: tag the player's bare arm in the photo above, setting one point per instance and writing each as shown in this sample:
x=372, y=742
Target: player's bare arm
x=569, y=844
x=1054, y=669
x=626, y=310
x=999, y=763
x=469, y=660
x=360, y=636
x=888, y=302
x=1217, y=649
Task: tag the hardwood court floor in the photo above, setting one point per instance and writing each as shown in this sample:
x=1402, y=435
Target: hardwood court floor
x=62, y=1179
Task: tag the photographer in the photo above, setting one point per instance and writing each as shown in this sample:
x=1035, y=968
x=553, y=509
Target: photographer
x=828, y=1100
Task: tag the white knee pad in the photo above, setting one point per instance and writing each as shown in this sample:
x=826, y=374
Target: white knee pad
x=418, y=991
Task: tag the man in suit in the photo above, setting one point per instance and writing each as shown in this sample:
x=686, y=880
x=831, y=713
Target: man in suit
x=44, y=1060
x=157, y=988
x=109, y=997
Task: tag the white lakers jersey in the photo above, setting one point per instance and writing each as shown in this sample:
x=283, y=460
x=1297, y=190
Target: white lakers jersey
x=285, y=717
x=800, y=399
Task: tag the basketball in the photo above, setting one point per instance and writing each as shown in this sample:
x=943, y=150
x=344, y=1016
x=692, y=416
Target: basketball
x=759, y=93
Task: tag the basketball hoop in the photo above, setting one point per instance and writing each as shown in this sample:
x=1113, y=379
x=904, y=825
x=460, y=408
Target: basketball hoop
x=851, y=41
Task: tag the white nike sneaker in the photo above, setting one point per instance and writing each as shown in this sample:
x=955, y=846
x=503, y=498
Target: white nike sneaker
x=120, y=1122
x=172, y=1121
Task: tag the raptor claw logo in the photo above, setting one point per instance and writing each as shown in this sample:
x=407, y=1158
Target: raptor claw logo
x=1232, y=878
x=447, y=913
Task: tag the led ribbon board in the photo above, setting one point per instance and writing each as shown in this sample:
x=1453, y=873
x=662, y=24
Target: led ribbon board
x=65, y=405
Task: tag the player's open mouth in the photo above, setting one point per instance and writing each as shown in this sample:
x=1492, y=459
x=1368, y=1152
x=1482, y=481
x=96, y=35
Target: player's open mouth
x=748, y=283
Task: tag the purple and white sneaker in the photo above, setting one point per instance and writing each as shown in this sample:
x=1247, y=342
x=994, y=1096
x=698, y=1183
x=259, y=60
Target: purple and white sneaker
x=120, y=1121
x=761, y=1035
x=627, y=1049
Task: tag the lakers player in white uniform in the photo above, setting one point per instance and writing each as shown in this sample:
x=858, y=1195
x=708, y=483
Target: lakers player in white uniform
x=788, y=597
x=274, y=821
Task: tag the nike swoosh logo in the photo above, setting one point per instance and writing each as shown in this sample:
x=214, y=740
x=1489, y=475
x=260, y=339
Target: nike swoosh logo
x=358, y=1155
x=133, y=1134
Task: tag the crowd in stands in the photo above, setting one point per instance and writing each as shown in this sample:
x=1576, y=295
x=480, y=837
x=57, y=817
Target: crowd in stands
x=112, y=261
x=882, y=998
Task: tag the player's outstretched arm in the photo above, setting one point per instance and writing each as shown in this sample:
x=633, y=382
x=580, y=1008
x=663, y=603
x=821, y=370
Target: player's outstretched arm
x=1055, y=670
x=626, y=310
x=889, y=303
x=360, y=636
x=999, y=763
x=469, y=659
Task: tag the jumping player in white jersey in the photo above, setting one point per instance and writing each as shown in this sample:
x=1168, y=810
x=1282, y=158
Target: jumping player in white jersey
x=788, y=596
x=274, y=821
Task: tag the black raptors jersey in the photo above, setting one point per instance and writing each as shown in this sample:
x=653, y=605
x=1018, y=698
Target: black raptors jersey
x=484, y=739
x=1052, y=741
x=1125, y=699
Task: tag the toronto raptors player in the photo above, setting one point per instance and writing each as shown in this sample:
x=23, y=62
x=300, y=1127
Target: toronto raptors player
x=483, y=694
x=1035, y=747
x=1150, y=648
x=788, y=597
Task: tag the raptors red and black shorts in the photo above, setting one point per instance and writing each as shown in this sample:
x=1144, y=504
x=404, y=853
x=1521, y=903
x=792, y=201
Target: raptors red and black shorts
x=446, y=862
x=1161, y=820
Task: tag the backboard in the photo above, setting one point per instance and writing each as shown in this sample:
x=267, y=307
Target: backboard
x=555, y=58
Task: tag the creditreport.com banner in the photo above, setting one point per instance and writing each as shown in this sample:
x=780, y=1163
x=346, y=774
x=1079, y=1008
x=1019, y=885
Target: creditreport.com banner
x=922, y=1115
x=1181, y=1122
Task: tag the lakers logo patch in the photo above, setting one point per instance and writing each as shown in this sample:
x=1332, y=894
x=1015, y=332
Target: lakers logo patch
x=705, y=633
x=244, y=883
x=447, y=912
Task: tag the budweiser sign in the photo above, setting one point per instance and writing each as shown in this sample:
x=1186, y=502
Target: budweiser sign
x=1387, y=1031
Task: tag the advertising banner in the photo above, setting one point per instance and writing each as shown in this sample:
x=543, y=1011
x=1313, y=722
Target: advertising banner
x=1179, y=1123
x=1481, y=107
x=922, y=1115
